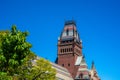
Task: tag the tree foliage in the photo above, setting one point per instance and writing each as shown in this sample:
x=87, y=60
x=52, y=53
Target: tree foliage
x=13, y=51
x=4, y=76
x=2, y=34
x=36, y=69
x=26, y=68
x=42, y=70
x=18, y=62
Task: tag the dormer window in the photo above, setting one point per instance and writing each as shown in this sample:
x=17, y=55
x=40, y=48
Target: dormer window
x=64, y=34
x=71, y=33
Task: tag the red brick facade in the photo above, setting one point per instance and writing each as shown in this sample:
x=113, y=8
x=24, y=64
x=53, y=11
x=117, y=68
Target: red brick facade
x=70, y=52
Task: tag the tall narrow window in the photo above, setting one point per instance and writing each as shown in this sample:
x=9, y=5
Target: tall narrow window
x=68, y=64
x=81, y=76
x=71, y=33
x=64, y=34
x=67, y=32
x=69, y=49
x=65, y=49
x=63, y=65
x=61, y=50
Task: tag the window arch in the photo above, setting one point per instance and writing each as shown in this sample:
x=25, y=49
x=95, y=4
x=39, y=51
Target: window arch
x=81, y=76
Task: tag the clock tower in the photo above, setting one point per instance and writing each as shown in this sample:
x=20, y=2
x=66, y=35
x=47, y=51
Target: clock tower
x=69, y=47
x=70, y=55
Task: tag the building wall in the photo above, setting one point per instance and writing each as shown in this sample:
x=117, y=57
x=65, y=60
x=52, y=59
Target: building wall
x=62, y=73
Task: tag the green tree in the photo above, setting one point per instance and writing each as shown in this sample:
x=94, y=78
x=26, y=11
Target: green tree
x=13, y=51
x=4, y=76
x=26, y=68
x=36, y=69
x=17, y=62
x=2, y=34
x=42, y=70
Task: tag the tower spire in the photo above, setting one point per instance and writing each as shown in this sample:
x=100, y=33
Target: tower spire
x=93, y=66
x=70, y=53
x=69, y=47
x=93, y=72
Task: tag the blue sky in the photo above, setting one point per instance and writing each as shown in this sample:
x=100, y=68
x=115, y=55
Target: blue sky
x=98, y=22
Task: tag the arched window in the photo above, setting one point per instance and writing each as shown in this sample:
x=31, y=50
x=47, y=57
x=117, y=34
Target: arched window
x=61, y=50
x=67, y=32
x=68, y=64
x=69, y=49
x=71, y=33
x=65, y=49
x=81, y=76
x=64, y=34
x=63, y=65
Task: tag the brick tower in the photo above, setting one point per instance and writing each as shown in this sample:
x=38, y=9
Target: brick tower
x=69, y=47
x=70, y=53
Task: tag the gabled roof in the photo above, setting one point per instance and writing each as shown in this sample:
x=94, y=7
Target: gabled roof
x=83, y=62
x=82, y=70
x=80, y=61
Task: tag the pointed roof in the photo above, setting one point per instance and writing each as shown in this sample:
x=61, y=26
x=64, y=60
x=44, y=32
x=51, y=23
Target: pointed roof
x=83, y=72
x=83, y=62
x=70, y=33
x=83, y=65
x=93, y=72
x=80, y=61
x=93, y=66
x=70, y=22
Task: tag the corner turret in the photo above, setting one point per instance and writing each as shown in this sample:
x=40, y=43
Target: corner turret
x=93, y=73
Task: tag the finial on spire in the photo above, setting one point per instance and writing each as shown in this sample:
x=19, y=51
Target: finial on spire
x=92, y=62
x=93, y=66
